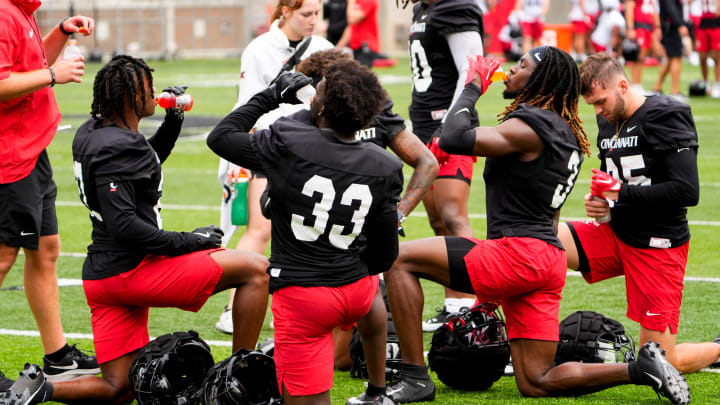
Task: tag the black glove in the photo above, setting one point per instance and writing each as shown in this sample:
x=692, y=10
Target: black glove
x=176, y=90
x=288, y=84
x=208, y=237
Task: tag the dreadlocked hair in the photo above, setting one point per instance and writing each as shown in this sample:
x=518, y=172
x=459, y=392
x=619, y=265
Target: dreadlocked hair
x=353, y=96
x=555, y=85
x=117, y=83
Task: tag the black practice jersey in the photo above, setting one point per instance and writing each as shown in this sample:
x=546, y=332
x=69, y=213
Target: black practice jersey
x=382, y=128
x=119, y=177
x=523, y=197
x=334, y=203
x=654, y=154
x=435, y=75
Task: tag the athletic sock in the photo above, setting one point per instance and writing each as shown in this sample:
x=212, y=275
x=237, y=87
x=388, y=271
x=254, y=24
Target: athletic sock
x=636, y=376
x=373, y=390
x=58, y=355
x=413, y=371
x=455, y=304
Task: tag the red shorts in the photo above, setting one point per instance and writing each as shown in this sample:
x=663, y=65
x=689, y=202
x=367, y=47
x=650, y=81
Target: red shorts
x=598, y=48
x=581, y=26
x=304, y=318
x=458, y=167
x=526, y=276
x=532, y=28
x=644, y=38
x=707, y=39
x=653, y=277
x=119, y=304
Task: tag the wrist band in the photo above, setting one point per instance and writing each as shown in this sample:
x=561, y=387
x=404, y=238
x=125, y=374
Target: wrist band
x=61, y=26
x=52, y=74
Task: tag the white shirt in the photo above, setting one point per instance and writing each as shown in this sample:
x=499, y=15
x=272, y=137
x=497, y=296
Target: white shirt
x=606, y=22
x=261, y=62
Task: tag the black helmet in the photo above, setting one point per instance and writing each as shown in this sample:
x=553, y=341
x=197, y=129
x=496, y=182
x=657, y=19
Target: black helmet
x=591, y=337
x=630, y=50
x=170, y=369
x=470, y=351
x=698, y=88
x=245, y=378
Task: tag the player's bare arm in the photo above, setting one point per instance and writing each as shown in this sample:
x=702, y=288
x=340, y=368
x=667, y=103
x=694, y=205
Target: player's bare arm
x=410, y=150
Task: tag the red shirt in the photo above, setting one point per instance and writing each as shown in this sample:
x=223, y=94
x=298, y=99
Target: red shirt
x=367, y=29
x=28, y=123
x=644, y=11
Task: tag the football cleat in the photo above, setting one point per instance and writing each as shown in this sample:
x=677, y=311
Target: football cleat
x=717, y=342
x=409, y=389
x=30, y=388
x=5, y=383
x=73, y=365
x=365, y=399
x=225, y=324
x=658, y=373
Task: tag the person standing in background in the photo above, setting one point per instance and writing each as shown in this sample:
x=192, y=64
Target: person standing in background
x=294, y=22
x=532, y=20
x=643, y=26
x=442, y=35
x=364, y=40
x=708, y=43
x=29, y=68
x=674, y=31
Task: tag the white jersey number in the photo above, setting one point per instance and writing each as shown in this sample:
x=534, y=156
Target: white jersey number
x=627, y=165
x=422, y=78
x=321, y=212
x=562, y=190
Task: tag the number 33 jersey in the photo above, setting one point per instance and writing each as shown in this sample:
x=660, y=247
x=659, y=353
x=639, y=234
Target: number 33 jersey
x=522, y=198
x=334, y=205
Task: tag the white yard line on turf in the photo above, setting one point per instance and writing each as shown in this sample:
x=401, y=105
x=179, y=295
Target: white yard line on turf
x=34, y=333
x=414, y=214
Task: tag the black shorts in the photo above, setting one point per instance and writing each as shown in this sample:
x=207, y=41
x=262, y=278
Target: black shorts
x=672, y=43
x=27, y=207
x=457, y=249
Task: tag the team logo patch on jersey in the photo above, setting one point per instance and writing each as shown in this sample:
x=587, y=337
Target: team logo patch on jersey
x=417, y=27
x=113, y=186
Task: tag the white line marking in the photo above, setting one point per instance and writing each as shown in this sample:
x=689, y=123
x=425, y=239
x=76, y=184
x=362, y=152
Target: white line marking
x=414, y=214
x=89, y=336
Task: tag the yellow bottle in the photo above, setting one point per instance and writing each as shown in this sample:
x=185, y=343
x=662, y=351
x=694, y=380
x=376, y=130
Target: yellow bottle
x=498, y=75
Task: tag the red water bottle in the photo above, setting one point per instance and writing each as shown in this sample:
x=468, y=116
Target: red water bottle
x=182, y=102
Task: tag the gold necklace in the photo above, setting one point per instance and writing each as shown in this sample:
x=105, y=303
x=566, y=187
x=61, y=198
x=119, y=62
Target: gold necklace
x=617, y=130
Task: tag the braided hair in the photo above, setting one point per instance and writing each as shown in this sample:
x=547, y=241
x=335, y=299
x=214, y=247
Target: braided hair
x=555, y=85
x=118, y=83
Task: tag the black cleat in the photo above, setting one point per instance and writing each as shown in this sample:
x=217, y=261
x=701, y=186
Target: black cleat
x=365, y=399
x=73, y=365
x=409, y=389
x=5, y=383
x=717, y=342
x=29, y=389
x=658, y=373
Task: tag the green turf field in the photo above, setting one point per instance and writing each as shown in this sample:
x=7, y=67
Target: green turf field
x=191, y=199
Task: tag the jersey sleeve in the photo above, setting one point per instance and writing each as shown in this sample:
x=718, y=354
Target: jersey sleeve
x=456, y=16
x=670, y=126
x=390, y=122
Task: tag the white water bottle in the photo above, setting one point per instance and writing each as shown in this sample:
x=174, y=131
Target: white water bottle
x=71, y=50
x=306, y=94
x=604, y=218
